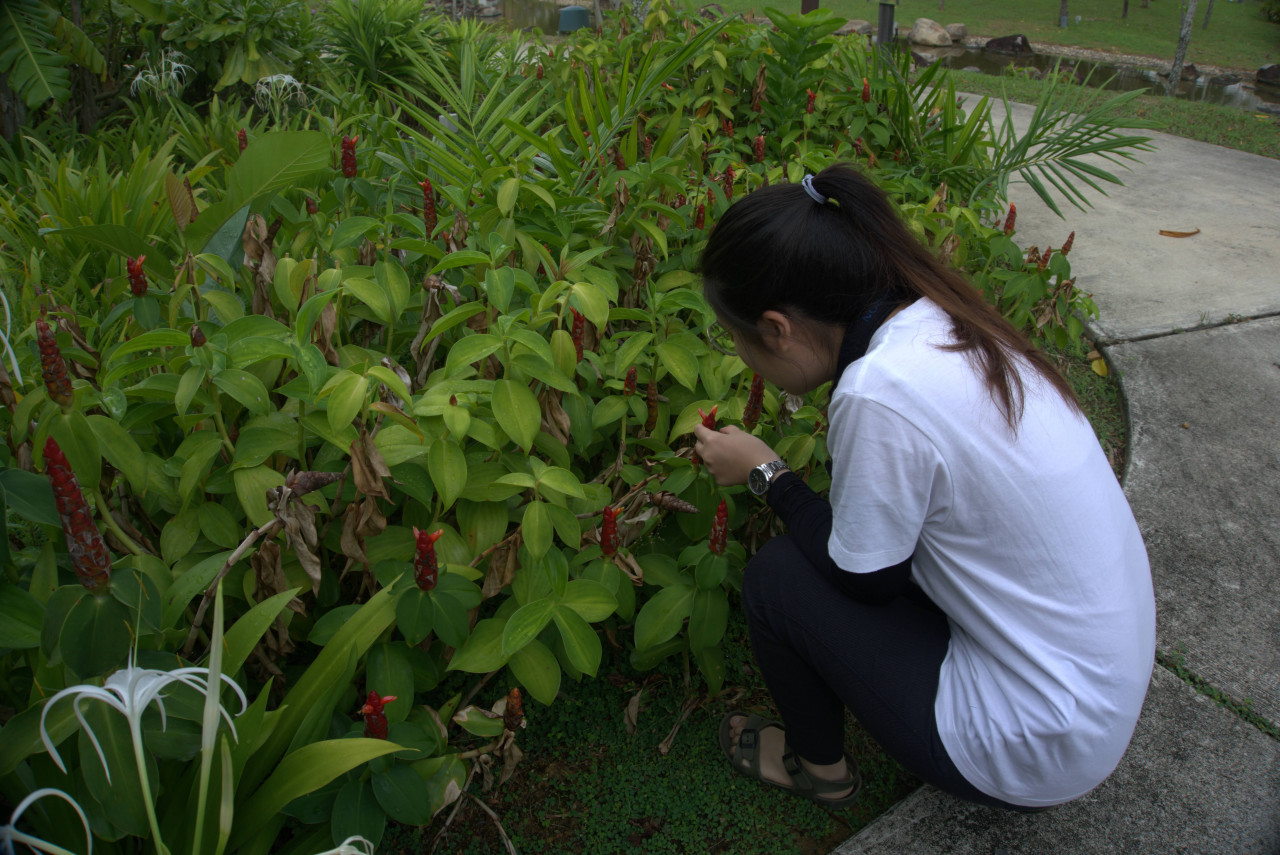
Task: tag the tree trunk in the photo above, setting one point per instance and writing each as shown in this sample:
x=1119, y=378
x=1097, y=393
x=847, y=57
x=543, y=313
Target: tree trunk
x=1125, y=13
x=1184, y=39
x=1062, y=14
x=1207, y=12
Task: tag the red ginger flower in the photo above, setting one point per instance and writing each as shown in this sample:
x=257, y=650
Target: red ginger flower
x=428, y=206
x=648, y=147
x=700, y=218
x=813, y=96
x=375, y=720
x=579, y=328
x=242, y=137
x=866, y=90
x=1011, y=220
x=708, y=422
x=728, y=183
x=426, y=570
x=629, y=385
x=757, y=147
x=1066, y=247
x=1044, y=259
x=719, y=529
x=609, y=531
x=56, y=379
x=755, y=403
x=89, y=555
x=726, y=125
x=349, y=156
x=513, y=716
x=651, y=402
x=312, y=207
x=137, y=277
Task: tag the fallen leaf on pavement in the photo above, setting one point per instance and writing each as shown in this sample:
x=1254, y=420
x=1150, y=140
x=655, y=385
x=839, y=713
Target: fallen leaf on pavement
x=1179, y=233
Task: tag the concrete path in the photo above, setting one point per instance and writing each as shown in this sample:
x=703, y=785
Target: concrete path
x=1192, y=325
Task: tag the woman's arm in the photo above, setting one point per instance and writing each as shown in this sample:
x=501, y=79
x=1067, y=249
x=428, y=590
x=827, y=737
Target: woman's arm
x=729, y=454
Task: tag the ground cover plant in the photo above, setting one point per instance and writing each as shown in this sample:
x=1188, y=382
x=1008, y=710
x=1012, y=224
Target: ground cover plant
x=1239, y=35
x=345, y=422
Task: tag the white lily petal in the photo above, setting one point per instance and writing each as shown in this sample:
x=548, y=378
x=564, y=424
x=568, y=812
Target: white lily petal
x=9, y=831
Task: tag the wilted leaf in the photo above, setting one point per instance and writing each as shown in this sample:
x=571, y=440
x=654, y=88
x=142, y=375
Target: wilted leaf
x=1179, y=233
x=368, y=468
x=502, y=569
x=299, y=521
x=360, y=520
x=632, y=716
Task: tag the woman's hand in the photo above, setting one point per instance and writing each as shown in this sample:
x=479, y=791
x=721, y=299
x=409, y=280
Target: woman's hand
x=731, y=453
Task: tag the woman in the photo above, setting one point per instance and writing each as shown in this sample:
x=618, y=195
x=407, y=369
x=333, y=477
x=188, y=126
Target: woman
x=976, y=591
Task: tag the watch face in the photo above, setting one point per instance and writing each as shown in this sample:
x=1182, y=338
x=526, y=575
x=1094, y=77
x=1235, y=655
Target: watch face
x=758, y=482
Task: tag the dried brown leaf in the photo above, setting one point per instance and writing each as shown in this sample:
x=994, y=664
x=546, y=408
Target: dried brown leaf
x=368, y=467
x=299, y=523
x=360, y=520
x=182, y=203
x=1179, y=233
x=502, y=570
x=631, y=718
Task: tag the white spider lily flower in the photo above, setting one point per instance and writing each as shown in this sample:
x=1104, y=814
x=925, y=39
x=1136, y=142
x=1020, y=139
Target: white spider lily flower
x=9, y=834
x=131, y=690
x=355, y=845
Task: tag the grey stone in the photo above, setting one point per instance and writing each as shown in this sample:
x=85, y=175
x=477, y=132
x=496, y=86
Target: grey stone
x=856, y=27
x=958, y=32
x=1269, y=75
x=930, y=33
x=1011, y=45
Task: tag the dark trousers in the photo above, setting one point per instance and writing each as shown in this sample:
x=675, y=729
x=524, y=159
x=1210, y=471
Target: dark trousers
x=821, y=651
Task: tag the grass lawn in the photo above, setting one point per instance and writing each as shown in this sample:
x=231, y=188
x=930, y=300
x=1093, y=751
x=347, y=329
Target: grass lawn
x=1239, y=36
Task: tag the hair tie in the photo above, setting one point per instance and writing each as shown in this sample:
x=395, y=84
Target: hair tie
x=814, y=194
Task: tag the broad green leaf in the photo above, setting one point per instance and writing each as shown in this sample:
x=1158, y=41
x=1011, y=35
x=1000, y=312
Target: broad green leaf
x=346, y=400
x=507, y=193
x=479, y=722
x=80, y=444
x=447, y=465
x=524, y=625
x=561, y=481
x=592, y=600
x=121, y=450
x=252, y=485
x=414, y=615
x=472, y=348
x=20, y=618
x=517, y=411
x=535, y=667
x=483, y=651
x=307, y=769
x=96, y=636
x=403, y=795
x=607, y=411
x=662, y=616
x=581, y=644
x=121, y=794
x=356, y=812
x=245, y=388
x=709, y=618
x=30, y=496
x=190, y=584
x=536, y=528
x=682, y=364
x=388, y=672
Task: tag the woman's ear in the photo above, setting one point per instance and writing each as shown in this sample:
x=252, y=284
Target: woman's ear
x=777, y=329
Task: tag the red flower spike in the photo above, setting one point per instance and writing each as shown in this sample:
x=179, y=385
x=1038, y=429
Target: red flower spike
x=700, y=218
x=680, y=201
x=629, y=385
x=137, y=277
x=349, y=156
x=538, y=74
x=755, y=403
x=619, y=161
x=1011, y=220
x=426, y=571
x=1044, y=259
x=708, y=422
x=609, y=531
x=89, y=555
x=513, y=717
x=866, y=90
x=1066, y=247
x=813, y=96
x=312, y=208
x=651, y=401
x=375, y=720
x=728, y=183
x=54, y=368
x=757, y=147
x=857, y=146
x=242, y=138
x=726, y=126
x=648, y=147
x=579, y=328
x=719, y=529
x=428, y=206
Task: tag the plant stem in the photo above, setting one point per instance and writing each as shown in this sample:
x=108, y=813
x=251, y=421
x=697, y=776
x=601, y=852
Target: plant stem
x=135, y=730
x=217, y=421
x=104, y=510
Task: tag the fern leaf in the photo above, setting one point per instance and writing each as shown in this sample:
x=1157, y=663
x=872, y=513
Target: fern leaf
x=35, y=72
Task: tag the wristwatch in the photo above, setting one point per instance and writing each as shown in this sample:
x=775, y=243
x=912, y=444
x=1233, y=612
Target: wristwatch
x=759, y=479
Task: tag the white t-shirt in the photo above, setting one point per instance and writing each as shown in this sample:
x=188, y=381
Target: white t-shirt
x=1024, y=539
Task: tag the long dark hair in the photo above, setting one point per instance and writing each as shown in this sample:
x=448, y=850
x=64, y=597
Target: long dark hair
x=780, y=249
